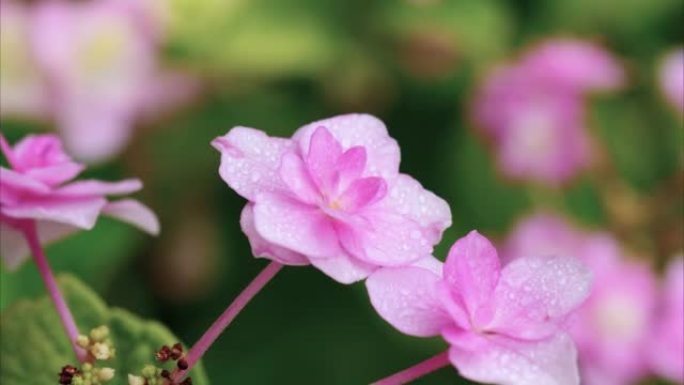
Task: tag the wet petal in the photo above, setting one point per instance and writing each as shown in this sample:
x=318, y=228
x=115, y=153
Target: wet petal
x=405, y=297
x=407, y=197
x=344, y=268
x=472, y=272
x=295, y=226
x=358, y=130
x=261, y=248
x=250, y=160
x=535, y=294
x=508, y=362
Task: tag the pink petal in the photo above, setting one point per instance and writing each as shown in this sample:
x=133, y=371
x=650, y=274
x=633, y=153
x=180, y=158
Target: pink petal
x=534, y=295
x=387, y=239
x=405, y=297
x=508, y=362
x=92, y=132
x=57, y=174
x=576, y=64
x=472, y=273
x=14, y=183
x=363, y=192
x=94, y=188
x=344, y=268
x=81, y=213
x=264, y=249
x=358, y=130
x=295, y=226
x=324, y=151
x=41, y=157
x=135, y=213
x=295, y=175
x=666, y=350
x=671, y=77
x=350, y=166
x=407, y=197
x=250, y=160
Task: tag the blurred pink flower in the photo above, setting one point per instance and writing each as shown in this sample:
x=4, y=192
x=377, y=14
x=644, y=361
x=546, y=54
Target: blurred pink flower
x=93, y=70
x=36, y=189
x=667, y=340
x=672, y=78
x=331, y=196
x=534, y=110
x=504, y=325
x=612, y=328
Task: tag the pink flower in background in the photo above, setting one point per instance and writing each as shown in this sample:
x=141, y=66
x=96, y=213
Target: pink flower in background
x=667, y=339
x=21, y=84
x=505, y=325
x=575, y=65
x=534, y=110
x=96, y=70
x=612, y=328
x=331, y=196
x=37, y=189
x=672, y=78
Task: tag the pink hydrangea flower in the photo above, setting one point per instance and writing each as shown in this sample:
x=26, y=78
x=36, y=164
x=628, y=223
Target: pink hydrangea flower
x=672, y=78
x=612, y=328
x=505, y=325
x=91, y=67
x=534, y=112
x=38, y=188
x=667, y=339
x=331, y=196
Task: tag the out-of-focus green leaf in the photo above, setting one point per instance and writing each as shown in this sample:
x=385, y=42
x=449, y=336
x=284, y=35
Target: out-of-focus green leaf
x=34, y=346
x=471, y=30
x=252, y=39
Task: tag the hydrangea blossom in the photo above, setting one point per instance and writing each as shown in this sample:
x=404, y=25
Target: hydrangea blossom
x=89, y=66
x=331, y=196
x=612, y=328
x=667, y=339
x=672, y=78
x=505, y=325
x=533, y=110
x=38, y=188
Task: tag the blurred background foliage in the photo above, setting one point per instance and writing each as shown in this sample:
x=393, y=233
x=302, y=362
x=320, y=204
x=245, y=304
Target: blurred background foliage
x=275, y=65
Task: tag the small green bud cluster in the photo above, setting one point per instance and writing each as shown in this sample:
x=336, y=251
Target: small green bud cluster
x=98, y=344
x=99, y=347
x=91, y=375
x=152, y=375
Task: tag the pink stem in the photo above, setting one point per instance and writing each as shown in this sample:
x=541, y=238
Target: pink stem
x=60, y=304
x=197, y=351
x=413, y=373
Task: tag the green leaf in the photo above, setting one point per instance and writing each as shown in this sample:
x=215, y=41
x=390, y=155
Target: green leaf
x=34, y=347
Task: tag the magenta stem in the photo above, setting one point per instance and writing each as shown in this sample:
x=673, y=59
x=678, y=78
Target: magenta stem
x=63, y=311
x=413, y=373
x=203, y=344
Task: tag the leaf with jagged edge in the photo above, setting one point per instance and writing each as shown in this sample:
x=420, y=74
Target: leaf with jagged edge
x=33, y=345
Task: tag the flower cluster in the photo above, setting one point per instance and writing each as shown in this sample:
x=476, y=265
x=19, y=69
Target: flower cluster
x=533, y=110
x=504, y=325
x=37, y=190
x=617, y=327
x=89, y=66
x=331, y=196
x=100, y=348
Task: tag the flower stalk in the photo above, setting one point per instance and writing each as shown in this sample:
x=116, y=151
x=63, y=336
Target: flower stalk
x=65, y=316
x=225, y=319
x=417, y=371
